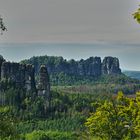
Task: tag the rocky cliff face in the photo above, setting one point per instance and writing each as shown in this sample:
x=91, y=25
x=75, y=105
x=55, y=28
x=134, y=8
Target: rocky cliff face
x=92, y=66
x=1, y=61
x=20, y=74
x=44, y=83
x=110, y=65
x=23, y=76
x=88, y=67
x=30, y=77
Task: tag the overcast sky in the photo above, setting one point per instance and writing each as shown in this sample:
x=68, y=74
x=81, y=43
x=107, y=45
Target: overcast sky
x=108, y=23
x=70, y=20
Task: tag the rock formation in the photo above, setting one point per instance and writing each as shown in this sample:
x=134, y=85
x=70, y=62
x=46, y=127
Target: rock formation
x=20, y=74
x=1, y=61
x=23, y=76
x=92, y=66
x=110, y=65
x=30, y=77
x=44, y=83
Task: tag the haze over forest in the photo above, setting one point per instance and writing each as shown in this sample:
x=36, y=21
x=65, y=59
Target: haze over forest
x=128, y=54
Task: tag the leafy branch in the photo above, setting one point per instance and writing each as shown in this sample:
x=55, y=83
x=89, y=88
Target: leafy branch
x=2, y=26
x=136, y=15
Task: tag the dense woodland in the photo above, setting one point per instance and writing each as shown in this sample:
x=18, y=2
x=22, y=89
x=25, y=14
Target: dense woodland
x=83, y=108
x=68, y=116
x=63, y=118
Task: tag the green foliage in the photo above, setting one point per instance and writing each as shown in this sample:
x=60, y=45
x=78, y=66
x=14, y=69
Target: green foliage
x=68, y=109
x=50, y=135
x=7, y=125
x=136, y=15
x=116, y=119
x=66, y=113
x=68, y=124
x=99, y=89
x=37, y=135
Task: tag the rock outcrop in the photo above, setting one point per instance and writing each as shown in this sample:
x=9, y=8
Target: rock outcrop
x=23, y=76
x=110, y=65
x=1, y=61
x=20, y=74
x=92, y=66
x=44, y=83
x=89, y=67
x=30, y=77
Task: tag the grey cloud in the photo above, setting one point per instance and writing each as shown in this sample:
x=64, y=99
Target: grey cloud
x=69, y=20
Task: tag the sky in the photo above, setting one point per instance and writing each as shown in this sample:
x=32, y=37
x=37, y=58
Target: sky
x=71, y=28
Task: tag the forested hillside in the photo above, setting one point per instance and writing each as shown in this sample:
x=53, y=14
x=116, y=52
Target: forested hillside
x=35, y=105
x=72, y=72
x=92, y=66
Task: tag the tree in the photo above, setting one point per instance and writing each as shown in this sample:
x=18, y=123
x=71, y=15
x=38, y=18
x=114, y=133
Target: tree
x=117, y=119
x=136, y=15
x=7, y=125
x=2, y=26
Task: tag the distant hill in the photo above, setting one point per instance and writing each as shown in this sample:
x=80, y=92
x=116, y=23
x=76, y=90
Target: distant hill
x=93, y=66
x=89, y=71
x=132, y=74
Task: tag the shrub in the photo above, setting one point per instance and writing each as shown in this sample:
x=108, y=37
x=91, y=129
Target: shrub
x=118, y=119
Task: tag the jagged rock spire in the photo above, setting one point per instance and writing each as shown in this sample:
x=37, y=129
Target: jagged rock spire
x=1, y=61
x=44, y=82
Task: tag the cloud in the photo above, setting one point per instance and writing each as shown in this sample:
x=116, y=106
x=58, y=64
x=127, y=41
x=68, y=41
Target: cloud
x=70, y=20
